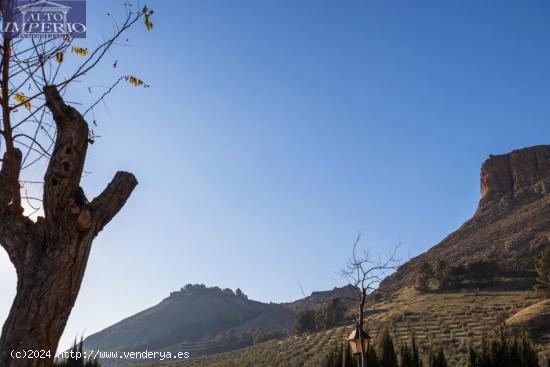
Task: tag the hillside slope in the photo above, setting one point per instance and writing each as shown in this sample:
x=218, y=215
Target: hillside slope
x=534, y=319
x=205, y=321
x=188, y=315
x=449, y=319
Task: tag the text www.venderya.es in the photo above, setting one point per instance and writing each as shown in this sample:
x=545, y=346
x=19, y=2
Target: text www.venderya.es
x=98, y=354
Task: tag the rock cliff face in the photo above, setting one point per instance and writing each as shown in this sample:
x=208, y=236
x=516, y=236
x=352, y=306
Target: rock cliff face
x=510, y=173
x=511, y=223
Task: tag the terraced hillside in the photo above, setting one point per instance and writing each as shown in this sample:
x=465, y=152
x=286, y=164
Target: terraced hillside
x=450, y=319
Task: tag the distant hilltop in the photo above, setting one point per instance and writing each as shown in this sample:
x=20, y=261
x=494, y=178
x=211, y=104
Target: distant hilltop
x=206, y=320
x=190, y=289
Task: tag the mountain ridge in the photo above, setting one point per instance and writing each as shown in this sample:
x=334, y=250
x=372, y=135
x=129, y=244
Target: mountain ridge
x=207, y=320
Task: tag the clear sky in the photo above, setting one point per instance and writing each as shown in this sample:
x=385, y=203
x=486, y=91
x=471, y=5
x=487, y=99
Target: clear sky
x=274, y=130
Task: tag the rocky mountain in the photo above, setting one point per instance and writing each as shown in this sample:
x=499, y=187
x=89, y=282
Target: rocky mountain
x=206, y=321
x=511, y=224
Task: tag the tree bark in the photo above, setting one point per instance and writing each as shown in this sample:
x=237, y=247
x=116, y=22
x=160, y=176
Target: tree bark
x=50, y=255
x=361, y=323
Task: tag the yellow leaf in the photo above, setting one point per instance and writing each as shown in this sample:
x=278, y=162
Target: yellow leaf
x=147, y=18
x=21, y=99
x=135, y=81
x=59, y=57
x=80, y=51
x=148, y=23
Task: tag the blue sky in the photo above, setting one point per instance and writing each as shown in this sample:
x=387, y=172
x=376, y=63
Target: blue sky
x=273, y=131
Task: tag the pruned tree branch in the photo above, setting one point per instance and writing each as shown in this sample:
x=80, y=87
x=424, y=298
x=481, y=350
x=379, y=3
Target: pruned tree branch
x=14, y=228
x=112, y=199
x=64, y=171
x=6, y=178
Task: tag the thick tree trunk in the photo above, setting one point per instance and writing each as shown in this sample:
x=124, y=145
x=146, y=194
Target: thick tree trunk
x=50, y=255
x=46, y=291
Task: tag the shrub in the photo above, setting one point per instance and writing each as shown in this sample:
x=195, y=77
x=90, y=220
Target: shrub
x=386, y=349
x=503, y=352
x=476, y=273
x=425, y=273
x=380, y=354
x=335, y=357
x=410, y=357
x=332, y=314
x=542, y=266
x=481, y=272
x=397, y=316
x=438, y=359
x=305, y=322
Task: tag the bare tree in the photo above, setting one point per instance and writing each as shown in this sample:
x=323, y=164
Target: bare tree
x=365, y=271
x=49, y=242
